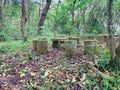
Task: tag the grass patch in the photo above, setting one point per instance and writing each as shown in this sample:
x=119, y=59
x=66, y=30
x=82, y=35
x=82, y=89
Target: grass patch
x=10, y=47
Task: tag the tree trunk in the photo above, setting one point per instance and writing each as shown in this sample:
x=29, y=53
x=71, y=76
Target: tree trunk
x=91, y=13
x=54, y=25
x=27, y=16
x=2, y=37
x=117, y=52
x=83, y=22
x=23, y=21
x=43, y=16
x=110, y=31
x=0, y=15
x=40, y=8
x=4, y=2
x=73, y=16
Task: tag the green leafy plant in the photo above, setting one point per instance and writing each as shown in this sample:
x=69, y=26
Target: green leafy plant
x=4, y=49
x=104, y=61
x=45, y=86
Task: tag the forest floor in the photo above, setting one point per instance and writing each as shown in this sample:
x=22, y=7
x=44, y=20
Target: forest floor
x=26, y=70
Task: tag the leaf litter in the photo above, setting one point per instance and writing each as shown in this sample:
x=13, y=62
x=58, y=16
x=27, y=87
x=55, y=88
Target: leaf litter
x=27, y=69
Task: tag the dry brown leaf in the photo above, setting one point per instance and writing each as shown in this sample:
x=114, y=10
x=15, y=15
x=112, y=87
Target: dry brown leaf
x=33, y=73
x=60, y=73
x=91, y=71
x=51, y=76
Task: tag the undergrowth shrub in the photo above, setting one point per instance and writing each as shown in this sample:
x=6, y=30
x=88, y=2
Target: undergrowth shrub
x=104, y=61
x=4, y=49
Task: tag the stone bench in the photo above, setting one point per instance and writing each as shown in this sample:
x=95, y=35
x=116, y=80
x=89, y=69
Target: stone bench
x=40, y=46
x=75, y=38
x=56, y=42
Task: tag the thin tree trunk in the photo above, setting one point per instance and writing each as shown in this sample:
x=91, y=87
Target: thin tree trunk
x=0, y=15
x=72, y=12
x=73, y=16
x=4, y=2
x=2, y=36
x=117, y=52
x=78, y=21
x=28, y=11
x=83, y=23
x=40, y=8
x=91, y=11
x=99, y=17
x=110, y=26
x=23, y=21
x=43, y=16
x=54, y=25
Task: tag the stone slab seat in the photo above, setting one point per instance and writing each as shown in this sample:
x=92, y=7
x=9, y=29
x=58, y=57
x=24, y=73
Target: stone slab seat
x=57, y=41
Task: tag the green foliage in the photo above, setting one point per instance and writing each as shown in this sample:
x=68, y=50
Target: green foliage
x=98, y=82
x=83, y=21
x=57, y=86
x=82, y=3
x=29, y=86
x=45, y=86
x=11, y=47
x=2, y=36
x=12, y=20
x=111, y=85
x=64, y=16
x=12, y=10
x=104, y=61
x=4, y=49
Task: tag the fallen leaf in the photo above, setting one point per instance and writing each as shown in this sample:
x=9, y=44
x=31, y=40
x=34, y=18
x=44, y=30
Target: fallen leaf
x=91, y=71
x=60, y=73
x=51, y=76
x=22, y=74
x=73, y=79
x=33, y=74
x=46, y=73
